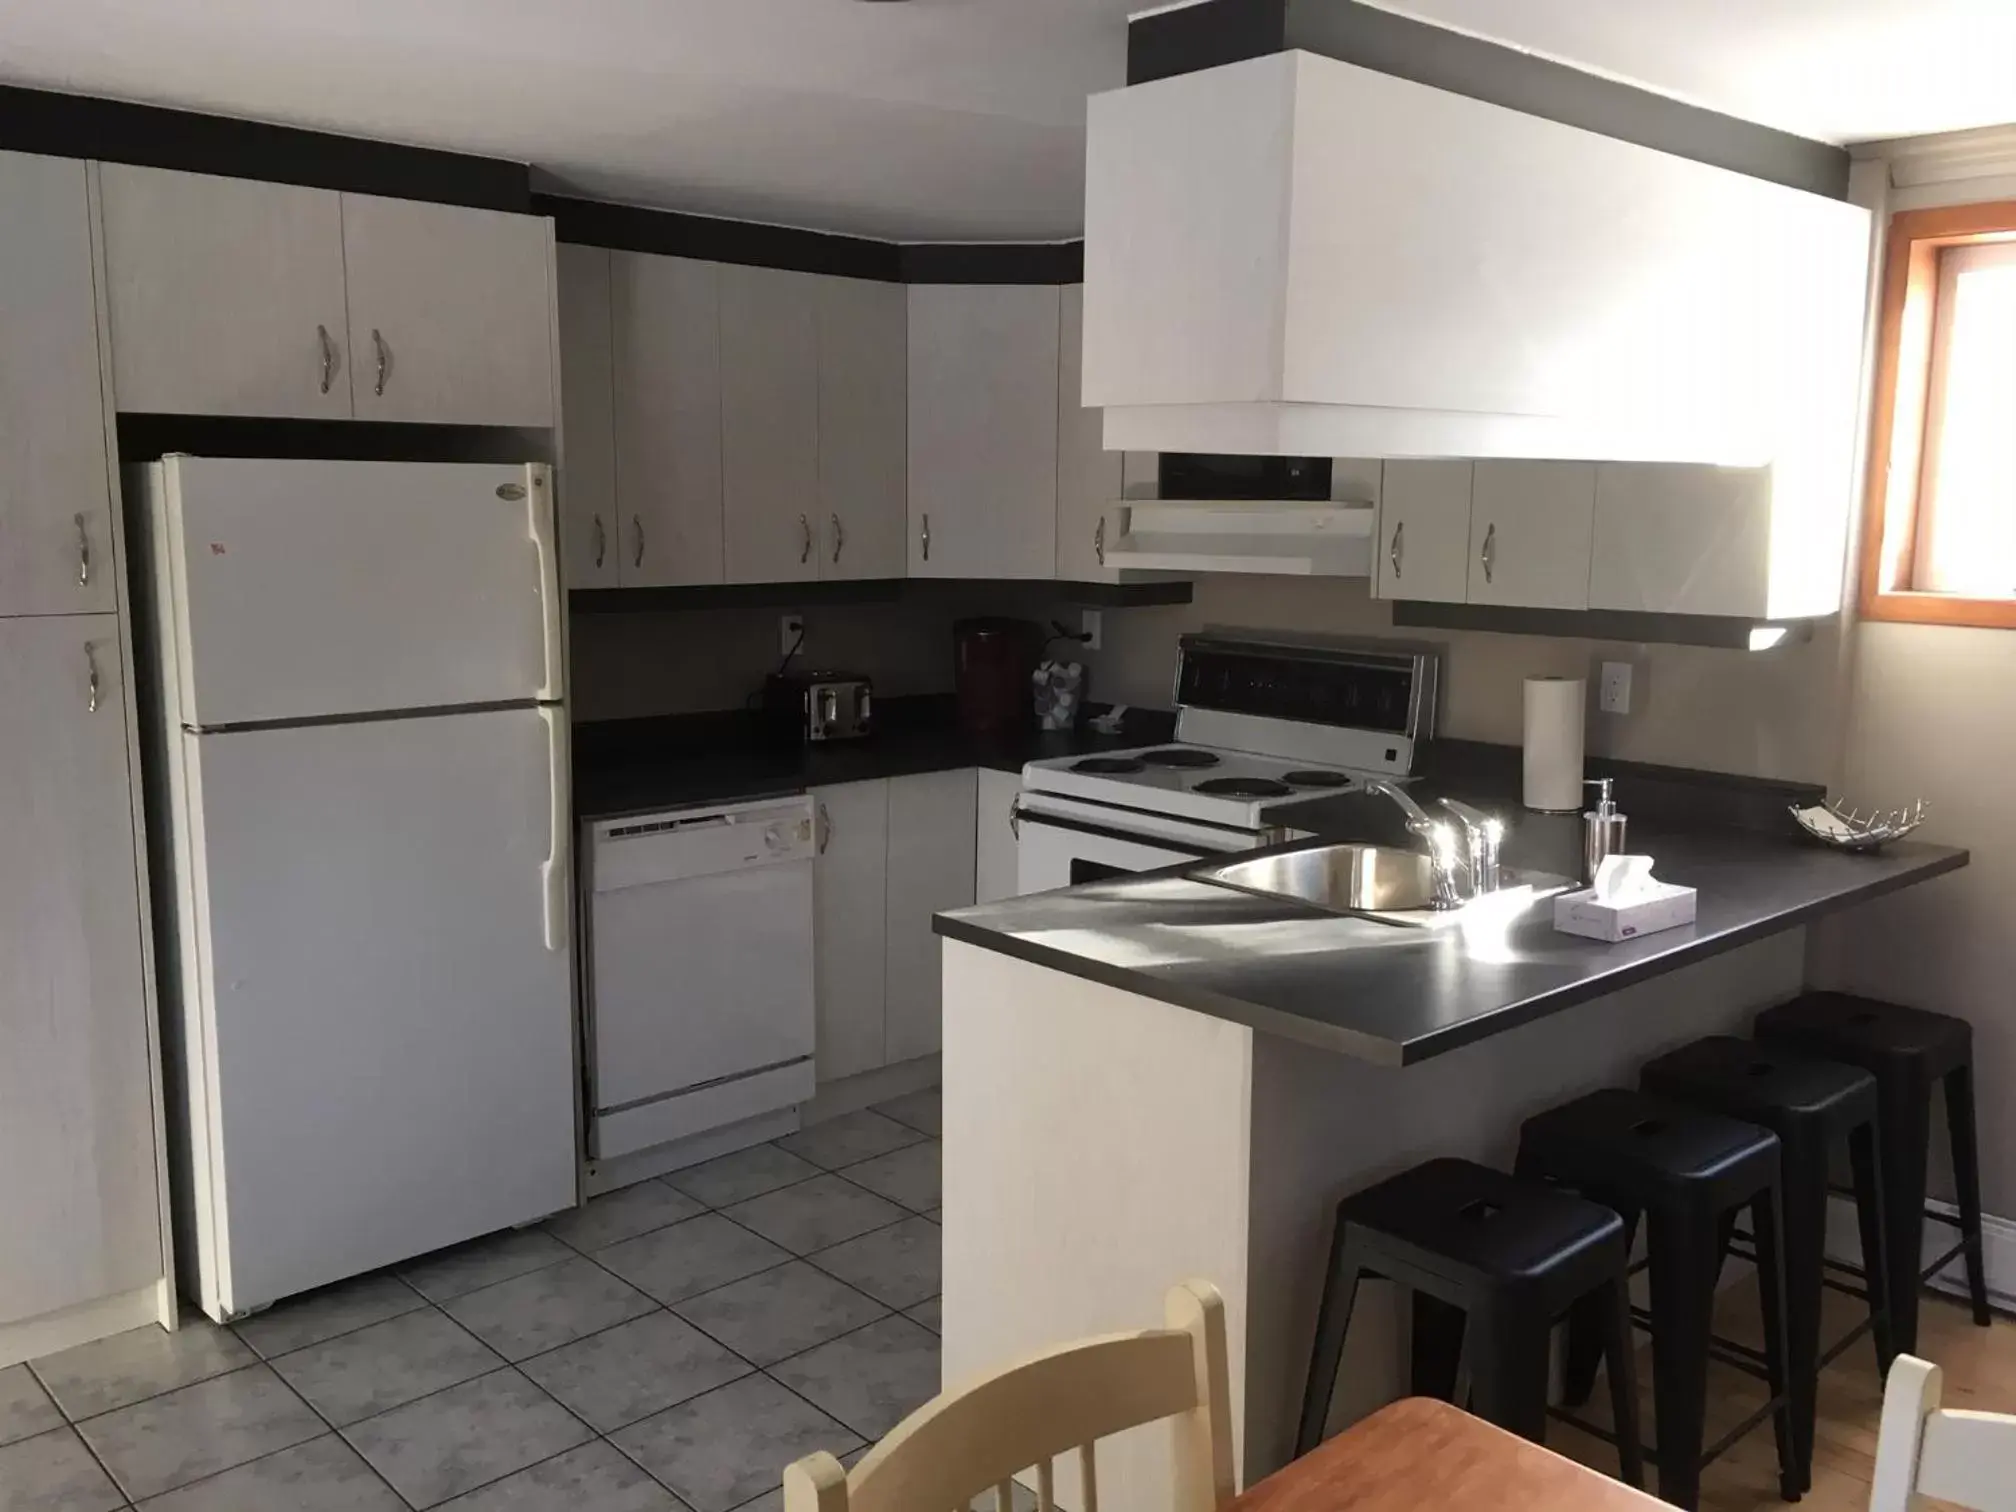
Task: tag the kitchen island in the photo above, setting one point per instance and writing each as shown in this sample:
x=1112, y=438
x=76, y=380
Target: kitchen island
x=1150, y=1077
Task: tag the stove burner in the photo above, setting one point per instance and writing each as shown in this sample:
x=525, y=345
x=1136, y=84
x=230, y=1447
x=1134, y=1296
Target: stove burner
x=1179, y=756
x=1315, y=779
x=1108, y=766
x=1243, y=787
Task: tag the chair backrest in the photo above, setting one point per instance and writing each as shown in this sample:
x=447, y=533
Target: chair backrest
x=1964, y=1457
x=960, y=1443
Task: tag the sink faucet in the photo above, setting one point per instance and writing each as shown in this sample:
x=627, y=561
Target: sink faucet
x=1441, y=843
x=1459, y=875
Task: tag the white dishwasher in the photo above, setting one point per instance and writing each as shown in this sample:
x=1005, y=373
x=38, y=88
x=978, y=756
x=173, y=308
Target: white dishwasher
x=700, y=989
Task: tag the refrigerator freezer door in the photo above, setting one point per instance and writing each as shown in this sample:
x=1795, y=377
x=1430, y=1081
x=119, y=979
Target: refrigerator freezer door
x=388, y=1037
x=312, y=589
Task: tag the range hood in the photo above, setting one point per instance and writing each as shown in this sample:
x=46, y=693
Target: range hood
x=1295, y=255
x=1281, y=537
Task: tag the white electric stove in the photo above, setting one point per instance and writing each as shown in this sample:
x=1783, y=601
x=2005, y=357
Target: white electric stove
x=1263, y=722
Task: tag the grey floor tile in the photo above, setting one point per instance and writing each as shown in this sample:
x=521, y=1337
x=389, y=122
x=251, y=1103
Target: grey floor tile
x=923, y=1111
x=742, y=1175
x=909, y=1175
x=25, y=1408
x=815, y=1213
x=54, y=1472
x=622, y=1214
x=720, y=1450
x=194, y=1431
x=140, y=1363
x=465, y=1437
x=931, y=1314
x=870, y=1379
x=339, y=1309
x=633, y=1370
x=593, y=1478
x=780, y=1312
x=322, y=1475
x=380, y=1367
x=898, y=1266
x=483, y=1262
x=849, y=1138
x=531, y=1314
x=688, y=1258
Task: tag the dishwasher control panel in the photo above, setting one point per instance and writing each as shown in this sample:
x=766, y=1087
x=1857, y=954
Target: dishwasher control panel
x=698, y=842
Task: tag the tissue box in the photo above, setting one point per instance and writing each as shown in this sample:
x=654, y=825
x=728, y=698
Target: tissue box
x=1661, y=906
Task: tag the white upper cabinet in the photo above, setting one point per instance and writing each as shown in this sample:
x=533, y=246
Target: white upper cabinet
x=451, y=313
x=1423, y=546
x=983, y=430
x=55, y=511
x=769, y=424
x=863, y=422
x=225, y=296
x=1089, y=482
x=1530, y=531
x=589, y=547
x=77, y=1155
x=1296, y=255
x=665, y=324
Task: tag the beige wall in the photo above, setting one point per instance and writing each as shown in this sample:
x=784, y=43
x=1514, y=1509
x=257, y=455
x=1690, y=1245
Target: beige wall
x=1770, y=714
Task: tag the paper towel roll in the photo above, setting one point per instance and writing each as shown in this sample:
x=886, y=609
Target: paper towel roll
x=1554, y=743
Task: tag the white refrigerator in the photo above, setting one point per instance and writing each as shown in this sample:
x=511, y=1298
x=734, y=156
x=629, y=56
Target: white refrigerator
x=360, y=784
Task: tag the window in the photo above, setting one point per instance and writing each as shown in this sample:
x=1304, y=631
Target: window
x=1940, y=540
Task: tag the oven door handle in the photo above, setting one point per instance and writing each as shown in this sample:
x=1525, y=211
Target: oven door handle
x=1080, y=827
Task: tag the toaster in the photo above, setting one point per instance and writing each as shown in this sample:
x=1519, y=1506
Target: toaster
x=819, y=706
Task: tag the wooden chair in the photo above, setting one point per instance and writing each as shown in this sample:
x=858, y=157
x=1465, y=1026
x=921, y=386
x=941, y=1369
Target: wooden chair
x=1954, y=1456
x=959, y=1443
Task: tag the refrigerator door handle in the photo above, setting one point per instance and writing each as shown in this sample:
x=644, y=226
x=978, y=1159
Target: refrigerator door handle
x=540, y=504
x=553, y=870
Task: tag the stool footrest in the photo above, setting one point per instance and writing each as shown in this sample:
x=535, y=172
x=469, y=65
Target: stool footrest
x=1946, y=1259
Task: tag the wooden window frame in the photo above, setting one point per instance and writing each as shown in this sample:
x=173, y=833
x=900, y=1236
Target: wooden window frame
x=1897, y=427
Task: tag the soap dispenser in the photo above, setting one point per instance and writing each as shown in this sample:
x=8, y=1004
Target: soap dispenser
x=1602, y=830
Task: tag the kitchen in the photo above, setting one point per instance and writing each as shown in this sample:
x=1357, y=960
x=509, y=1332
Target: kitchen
x=671, y=913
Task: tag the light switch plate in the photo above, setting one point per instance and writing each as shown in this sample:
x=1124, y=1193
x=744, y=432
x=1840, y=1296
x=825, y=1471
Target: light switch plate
x=1089, y=622
x=790, y=630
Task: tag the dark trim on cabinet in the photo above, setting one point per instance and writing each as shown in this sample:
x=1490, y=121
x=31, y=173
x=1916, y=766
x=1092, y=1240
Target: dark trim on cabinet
x=864, y=591
x=707, y=238
x=993, y=262
x=1727, y=633
x=1216, y=32
x=153, y=136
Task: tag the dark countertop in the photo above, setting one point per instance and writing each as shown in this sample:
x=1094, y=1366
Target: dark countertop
x=638, y=766
x=1394, y=995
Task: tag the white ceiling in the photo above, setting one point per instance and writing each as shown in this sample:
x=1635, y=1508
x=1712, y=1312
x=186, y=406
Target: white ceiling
x=936, y=119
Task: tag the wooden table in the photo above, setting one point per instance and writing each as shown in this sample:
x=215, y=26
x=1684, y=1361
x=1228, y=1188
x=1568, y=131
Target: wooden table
x=1420, y=1455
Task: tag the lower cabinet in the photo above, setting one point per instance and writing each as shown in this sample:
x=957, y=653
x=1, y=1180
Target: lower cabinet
x=77, y=1157
x=930, y=869
x=994, y=837
x=891, y=854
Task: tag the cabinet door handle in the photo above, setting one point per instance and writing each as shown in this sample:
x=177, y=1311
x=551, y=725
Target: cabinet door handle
x=328, y=356
x=839, y=537
x=924, y=537
x=804, y=540
x=1099, y=540
x=1489, y=555
x=83, y=554
x=384, y=361
x=825, y=828
x=601, y=541
x=1394, y=555
x=91, y=678
x=637, y=553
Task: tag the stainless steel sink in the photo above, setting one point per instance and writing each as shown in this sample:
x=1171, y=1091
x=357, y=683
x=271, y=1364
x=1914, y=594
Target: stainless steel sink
x=1372, y=882
x=1340, y=878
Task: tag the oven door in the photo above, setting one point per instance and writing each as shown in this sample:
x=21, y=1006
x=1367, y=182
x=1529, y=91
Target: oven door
x=1063, y=843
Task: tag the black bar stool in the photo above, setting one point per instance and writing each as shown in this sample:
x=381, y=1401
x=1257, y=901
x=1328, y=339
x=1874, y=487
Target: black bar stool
x=1511, y=1257
x=1688, y=1173
x=1813, y=1106
x=1907, y=1050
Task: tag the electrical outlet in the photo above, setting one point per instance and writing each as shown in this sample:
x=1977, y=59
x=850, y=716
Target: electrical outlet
x=1614, y=689
x=790, y=631
x=1089, y=622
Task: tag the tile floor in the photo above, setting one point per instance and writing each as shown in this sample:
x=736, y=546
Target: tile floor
x=670, y=1345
